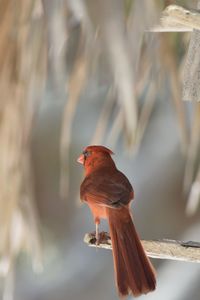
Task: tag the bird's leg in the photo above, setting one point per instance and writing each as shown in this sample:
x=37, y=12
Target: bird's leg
x=97, y=233
x=97, y=222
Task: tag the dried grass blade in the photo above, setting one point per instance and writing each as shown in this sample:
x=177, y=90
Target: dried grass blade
x=167, y=56
x=192, y=149
x=103, y=119
x=115, y=130
x=109, y=17
x=146, y=111
x=76, y=84
x=194, y=196
x=18, y=73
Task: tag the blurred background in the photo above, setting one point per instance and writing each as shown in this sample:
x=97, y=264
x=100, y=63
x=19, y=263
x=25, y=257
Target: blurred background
x=74, y=73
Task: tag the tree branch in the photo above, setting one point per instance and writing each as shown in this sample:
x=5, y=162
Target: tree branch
x=161, y=249
x=177, y=18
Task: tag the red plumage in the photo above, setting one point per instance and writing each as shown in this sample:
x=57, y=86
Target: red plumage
x=108, y=193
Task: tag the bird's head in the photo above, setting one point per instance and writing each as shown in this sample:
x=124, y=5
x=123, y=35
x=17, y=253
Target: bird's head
x=94, y=156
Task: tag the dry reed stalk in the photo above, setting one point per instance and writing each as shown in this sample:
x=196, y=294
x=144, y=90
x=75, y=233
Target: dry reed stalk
x=146, y=111
x=168, y=58
x=194, y=196
x=192, y=149
x=22, y=68
x=148, y=86
x=76, y=83
x=109, y=18
x=116, y=129
x=102, y=123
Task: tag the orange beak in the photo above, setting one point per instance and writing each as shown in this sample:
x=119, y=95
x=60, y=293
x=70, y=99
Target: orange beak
x=81, y=159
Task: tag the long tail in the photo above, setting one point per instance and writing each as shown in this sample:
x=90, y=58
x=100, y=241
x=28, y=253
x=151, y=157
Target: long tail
x=133, y=270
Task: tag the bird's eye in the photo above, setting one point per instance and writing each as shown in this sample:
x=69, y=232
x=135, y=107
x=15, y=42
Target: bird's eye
x=86, y=154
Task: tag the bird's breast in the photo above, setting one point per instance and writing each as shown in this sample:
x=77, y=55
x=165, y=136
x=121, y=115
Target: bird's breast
x=98, y=211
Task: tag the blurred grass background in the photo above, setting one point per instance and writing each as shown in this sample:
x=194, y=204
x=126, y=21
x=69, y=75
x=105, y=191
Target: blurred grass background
x=80, y=72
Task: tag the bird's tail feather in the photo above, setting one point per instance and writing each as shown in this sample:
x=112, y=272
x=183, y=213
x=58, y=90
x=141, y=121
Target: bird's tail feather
x=133, y=270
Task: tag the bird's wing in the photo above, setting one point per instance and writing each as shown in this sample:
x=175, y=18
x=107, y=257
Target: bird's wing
x=112, y=190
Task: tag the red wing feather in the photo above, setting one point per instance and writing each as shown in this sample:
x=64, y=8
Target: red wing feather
x=111, y=190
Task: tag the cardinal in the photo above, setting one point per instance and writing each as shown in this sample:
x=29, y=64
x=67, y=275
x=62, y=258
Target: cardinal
x=108, y=193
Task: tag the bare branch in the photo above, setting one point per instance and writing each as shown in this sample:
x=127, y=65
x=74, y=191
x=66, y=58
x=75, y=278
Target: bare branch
x=177, y=18
x=161, y=249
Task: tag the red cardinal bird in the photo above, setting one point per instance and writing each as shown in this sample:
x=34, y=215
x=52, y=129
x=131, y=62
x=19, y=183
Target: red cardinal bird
x=108, y=193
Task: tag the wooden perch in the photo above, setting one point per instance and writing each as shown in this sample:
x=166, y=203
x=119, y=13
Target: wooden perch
x=162, y=249
x=176, y=18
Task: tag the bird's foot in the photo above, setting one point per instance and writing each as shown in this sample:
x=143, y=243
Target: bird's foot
x=103, y=238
